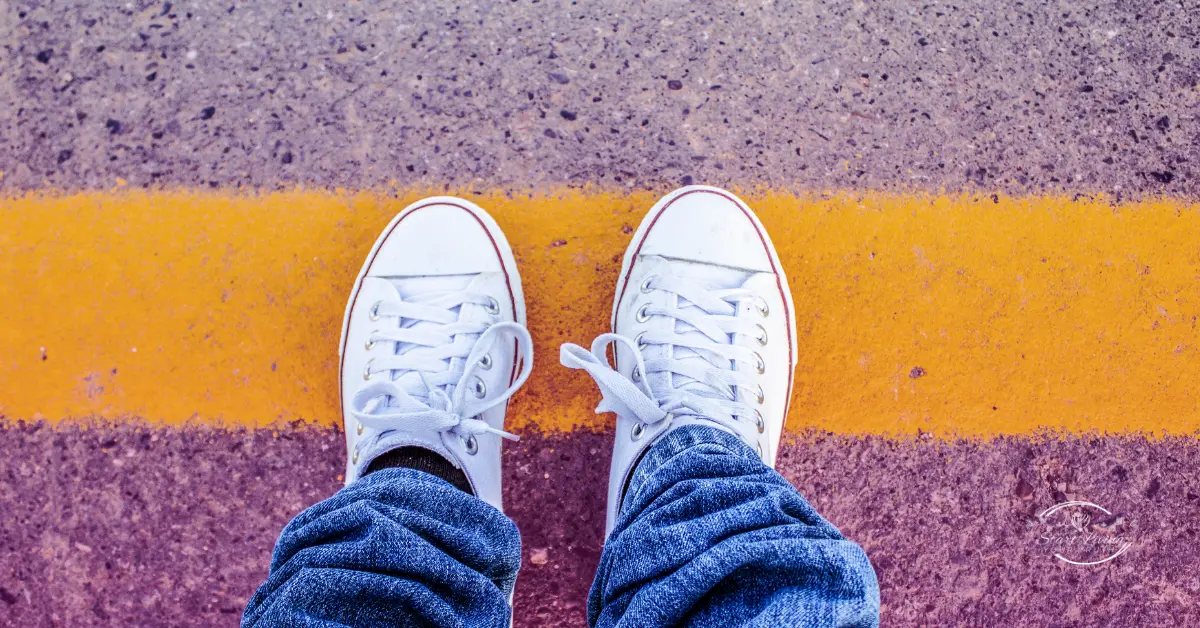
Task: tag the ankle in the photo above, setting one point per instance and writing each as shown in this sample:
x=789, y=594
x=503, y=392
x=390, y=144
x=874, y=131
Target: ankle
x=425, y=460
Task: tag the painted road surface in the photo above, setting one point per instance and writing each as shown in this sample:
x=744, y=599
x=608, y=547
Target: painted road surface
x=989, y=216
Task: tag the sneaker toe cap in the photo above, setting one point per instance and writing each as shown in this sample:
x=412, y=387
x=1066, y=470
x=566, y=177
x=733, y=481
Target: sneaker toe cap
x=440, y=238
x=709, y=226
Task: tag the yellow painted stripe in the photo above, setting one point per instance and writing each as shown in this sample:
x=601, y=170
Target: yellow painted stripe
x=1022, y=313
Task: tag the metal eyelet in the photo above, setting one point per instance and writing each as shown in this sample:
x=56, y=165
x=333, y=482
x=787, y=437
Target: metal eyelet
x=485, y=362
x=641, y=344
x=759, y=364
x=760, y=395
x=638, y=430
x=367, y=369
x=493, y=306
x=375, y=310
x=636, y=375
x=758, y=420
x=646, y=284
x=371, y=342
x=760, y=453
x=359, y=431
x=642, y=314
x=762, y=336
x=471, y=445
x=355, y=458
x=479, y=389
x=760, y=304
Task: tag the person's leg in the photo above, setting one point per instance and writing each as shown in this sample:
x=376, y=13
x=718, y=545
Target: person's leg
x=433, y=344
x=702, y=530
x=398, y=547
x=708, y=535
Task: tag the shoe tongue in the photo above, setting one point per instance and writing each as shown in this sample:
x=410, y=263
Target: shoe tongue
x=413, y=288
x=713, y=278
x=417, y=290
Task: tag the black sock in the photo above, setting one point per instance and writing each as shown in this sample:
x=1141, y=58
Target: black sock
x=422, y=459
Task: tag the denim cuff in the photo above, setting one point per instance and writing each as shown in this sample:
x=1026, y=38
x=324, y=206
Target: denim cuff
x=676, y=442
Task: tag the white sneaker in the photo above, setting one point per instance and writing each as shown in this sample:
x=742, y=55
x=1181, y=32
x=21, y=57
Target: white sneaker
x=704, y=332
x=433, y=334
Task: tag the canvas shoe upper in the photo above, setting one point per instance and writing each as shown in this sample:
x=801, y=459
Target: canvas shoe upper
x=703, y=330
x=432, y=339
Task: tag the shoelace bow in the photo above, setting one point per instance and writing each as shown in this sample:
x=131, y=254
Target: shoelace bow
x=693, y=375
x=415, y=399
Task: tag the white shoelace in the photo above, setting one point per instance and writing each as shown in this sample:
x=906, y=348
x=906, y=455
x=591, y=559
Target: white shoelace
x=692, y=373
x=437, y=354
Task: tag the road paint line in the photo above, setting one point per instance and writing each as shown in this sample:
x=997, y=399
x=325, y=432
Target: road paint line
x=955, y=315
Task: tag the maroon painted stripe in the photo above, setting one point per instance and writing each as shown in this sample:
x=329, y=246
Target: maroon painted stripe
x=135, y=526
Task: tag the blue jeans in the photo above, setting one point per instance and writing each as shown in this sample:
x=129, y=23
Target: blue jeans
x=707, y=536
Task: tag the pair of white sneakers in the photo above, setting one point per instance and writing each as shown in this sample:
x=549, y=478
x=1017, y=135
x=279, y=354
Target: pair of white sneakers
x=434, y=340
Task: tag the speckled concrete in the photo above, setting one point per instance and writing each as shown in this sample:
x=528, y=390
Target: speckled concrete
x=136, y=526
x=1075, y=96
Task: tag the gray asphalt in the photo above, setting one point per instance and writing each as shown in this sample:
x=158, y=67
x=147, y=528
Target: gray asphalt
x=1068, y=96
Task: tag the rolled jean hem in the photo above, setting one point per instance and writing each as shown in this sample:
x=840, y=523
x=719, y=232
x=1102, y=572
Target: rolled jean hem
x=678, y=441
x=399, y=474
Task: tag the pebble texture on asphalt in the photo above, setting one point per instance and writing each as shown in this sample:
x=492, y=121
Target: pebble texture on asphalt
x=1079, y=96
